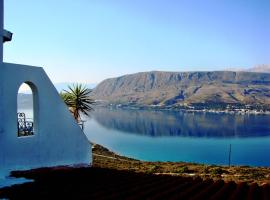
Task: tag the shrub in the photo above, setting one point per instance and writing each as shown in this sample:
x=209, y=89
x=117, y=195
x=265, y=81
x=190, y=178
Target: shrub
x=183, y=169
x=257, y=175
x=216, y=171
x=153, y=169
x=206, y=169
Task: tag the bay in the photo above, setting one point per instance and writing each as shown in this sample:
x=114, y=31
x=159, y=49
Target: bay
x=181, y=136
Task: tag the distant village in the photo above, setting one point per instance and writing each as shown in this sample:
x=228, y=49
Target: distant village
x=256, y=109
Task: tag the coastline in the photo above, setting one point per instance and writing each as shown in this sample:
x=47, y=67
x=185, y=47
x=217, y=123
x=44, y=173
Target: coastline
x=104, y=158
x=234, y=111
x=114, y=176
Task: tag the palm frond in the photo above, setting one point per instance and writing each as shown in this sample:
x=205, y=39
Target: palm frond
x=77, y=98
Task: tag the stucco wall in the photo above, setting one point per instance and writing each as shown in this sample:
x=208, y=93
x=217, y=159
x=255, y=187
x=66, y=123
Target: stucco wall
x=58, y=140
x=1, y=28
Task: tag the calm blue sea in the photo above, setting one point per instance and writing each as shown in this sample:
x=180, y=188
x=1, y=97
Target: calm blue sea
x=181, y=136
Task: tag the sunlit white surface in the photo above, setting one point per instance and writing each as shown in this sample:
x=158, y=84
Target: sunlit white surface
x=57, y=139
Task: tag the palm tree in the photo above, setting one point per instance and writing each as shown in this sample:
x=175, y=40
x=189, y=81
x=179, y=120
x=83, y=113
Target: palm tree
x=78, y=100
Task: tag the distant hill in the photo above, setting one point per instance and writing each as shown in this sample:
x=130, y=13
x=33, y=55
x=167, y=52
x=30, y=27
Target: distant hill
x=264, y=68
x=25, y=100
x=171, y=88
x=260, y=68
x=64, y=85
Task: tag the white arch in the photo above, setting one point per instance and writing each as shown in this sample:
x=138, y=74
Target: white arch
x=25, y=113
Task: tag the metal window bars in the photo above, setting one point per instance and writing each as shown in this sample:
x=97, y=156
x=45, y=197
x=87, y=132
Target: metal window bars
x=25, y=125
x=81, y=124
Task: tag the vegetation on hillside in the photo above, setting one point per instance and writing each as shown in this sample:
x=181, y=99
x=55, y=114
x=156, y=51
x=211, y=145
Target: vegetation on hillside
x=104, y=158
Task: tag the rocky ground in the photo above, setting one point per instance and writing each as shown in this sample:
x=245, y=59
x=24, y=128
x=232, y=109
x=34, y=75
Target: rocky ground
x=104, y=158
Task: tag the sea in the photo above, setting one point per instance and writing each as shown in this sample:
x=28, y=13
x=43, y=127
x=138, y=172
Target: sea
x=206, y=138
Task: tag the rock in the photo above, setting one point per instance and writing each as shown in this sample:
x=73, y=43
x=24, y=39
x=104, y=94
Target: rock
x=170, y=88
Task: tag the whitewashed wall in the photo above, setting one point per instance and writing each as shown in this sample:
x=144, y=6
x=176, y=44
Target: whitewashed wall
x=58, y=140
x=1, y=29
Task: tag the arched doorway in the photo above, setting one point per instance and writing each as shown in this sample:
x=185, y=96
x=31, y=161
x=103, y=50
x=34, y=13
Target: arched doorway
x=25, y=110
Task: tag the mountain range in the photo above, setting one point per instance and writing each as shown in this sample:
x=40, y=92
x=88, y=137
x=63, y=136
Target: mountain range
x=177, y=88
x=245, y=86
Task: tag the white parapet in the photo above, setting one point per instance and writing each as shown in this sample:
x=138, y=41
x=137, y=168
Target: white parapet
x=57, y=139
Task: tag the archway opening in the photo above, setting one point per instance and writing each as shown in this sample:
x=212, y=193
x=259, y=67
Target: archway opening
x=25, y=111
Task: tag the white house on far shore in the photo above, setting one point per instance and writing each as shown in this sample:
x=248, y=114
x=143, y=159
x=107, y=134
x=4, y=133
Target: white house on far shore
x=55, y=139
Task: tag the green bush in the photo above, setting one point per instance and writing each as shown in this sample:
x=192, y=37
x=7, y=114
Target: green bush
x=216, y=171
x=206, y=170
x=152, y=169
x=257, y=174
x=183, y=169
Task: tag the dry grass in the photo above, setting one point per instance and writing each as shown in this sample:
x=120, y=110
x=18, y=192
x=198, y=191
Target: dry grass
x=104, y=158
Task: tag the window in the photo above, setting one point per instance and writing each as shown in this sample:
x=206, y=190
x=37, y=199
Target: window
x=25, y=111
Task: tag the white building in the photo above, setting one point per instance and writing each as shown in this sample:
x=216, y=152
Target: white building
x=57, y=139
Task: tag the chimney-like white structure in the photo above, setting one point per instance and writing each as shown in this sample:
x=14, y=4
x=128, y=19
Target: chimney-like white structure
x=5, y=35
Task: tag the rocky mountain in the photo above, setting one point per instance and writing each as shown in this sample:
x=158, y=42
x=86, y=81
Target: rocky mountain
x=173, y=88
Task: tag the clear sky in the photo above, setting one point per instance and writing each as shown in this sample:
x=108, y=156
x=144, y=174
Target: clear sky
x=90, y=40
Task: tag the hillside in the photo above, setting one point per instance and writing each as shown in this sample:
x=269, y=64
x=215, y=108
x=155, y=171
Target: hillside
x=171, y=88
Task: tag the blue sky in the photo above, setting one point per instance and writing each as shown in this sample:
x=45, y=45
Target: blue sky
x=90, y=40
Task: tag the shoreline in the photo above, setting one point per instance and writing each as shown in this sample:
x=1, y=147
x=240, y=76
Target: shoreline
x=104, y=158
x=114, y=176
x=188, y=110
